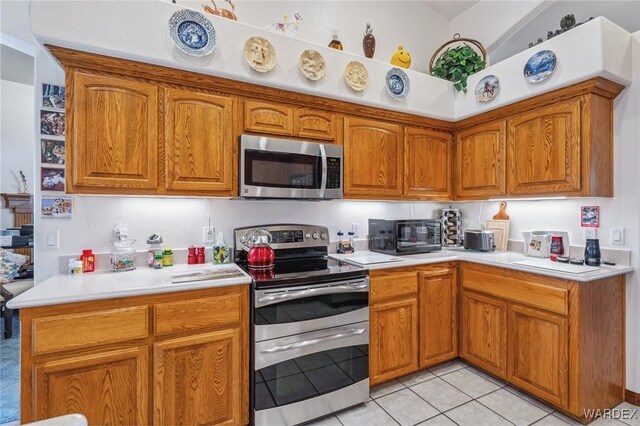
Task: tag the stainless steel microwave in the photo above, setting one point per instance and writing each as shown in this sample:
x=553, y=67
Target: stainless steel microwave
x=281, y=168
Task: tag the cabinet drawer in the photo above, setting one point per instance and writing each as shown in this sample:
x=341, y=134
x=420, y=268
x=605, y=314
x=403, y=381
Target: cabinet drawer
x=195, y=314
x=51, y=334
x=393, y=285
x=533, y=290
x=314, y=124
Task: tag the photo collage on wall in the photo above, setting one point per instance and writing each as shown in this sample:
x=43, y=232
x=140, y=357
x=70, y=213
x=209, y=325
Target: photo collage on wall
x=53, y=204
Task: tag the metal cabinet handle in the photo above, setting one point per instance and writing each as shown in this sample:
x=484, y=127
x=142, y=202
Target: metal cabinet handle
x=303, y=343
x=314, y=291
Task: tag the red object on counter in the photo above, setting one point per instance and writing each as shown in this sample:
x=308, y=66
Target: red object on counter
x=191, y=256
x=200, y=254
x=88, y=260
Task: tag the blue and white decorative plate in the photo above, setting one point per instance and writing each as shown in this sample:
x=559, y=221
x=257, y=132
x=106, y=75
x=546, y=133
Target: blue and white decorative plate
x=540, y=66
x=192, y=33
x=487, y=88
x=397, y=84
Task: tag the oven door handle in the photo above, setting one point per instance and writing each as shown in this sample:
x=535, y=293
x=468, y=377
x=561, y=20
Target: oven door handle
x=347, y=288
x=303, y=343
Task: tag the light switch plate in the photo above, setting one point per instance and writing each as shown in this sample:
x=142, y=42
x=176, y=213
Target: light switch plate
x=52, y=240
x=208, y=235
x=617, y=235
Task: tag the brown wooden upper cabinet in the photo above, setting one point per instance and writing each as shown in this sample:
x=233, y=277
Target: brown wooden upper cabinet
x=372, y=159
x=199, y=143
x=544, y=150
x=279, y=119
x=112, y=134
x=427, y=163
x=480, y=161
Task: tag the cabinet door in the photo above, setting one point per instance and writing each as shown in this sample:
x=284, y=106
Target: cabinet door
x=311, y=123
x=113, y=133
x=373, y=158
x=484, y=322
x=538, y=353
x=544, y=150
x=394, y=339
x=199, y=142
x=480, y=161
x=267, y=117
x=427, y=163
x=108, y=388
x=438, y=316
x=198, y=379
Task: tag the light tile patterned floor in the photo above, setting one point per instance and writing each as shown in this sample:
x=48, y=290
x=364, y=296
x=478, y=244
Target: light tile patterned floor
x=455, y=394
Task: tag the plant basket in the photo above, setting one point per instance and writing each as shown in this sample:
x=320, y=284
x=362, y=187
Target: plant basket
x=475, y=45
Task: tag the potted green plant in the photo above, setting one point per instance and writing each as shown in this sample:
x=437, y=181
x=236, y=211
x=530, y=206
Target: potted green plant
x=457, y=63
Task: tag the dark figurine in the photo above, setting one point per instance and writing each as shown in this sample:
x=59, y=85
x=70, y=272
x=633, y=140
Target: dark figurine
x=566, y=23
x=369, y=42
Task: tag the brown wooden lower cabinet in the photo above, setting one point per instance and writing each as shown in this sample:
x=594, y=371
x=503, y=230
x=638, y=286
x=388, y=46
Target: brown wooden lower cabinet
x=204, y=371
x=538, y=353
x=562, y=341
x=484, y=332
x=438, y=299
x=109, y=388
x=196, y=373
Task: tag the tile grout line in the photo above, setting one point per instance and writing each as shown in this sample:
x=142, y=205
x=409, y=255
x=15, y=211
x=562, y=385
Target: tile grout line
x=427, y=402
x=388, y=413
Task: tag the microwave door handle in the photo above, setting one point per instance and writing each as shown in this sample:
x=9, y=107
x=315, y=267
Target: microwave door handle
x=303, y=343
x=323, y=182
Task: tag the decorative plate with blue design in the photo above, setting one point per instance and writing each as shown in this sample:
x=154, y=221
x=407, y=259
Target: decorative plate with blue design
x=397, y=84
x=540, y=66
x=192, y=33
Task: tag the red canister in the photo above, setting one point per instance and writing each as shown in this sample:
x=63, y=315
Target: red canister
x=200, y=254
x=191, y=256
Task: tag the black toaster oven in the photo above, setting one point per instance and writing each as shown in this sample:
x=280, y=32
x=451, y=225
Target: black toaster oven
x=407, y=236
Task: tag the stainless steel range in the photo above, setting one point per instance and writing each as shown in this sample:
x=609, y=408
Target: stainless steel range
x=310, y=328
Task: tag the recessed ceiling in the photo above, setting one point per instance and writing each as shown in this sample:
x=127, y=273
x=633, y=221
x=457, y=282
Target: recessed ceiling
x=450, y=9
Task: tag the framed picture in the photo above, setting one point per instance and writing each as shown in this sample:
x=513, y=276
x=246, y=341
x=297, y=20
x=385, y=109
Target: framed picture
x=53, y=96
x=56, y=207
x=590, y=216
x=52, y=123
x=51, y=179
x=52, y=151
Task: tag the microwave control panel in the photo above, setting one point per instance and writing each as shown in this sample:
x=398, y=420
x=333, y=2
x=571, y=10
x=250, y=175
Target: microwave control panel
x=333, y=173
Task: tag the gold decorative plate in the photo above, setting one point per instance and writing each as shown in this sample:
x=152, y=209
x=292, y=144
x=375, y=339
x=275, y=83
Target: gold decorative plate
x=356, y=76
x=260, y=54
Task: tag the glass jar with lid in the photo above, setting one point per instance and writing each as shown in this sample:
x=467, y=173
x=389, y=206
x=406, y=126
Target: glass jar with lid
x=123, y=256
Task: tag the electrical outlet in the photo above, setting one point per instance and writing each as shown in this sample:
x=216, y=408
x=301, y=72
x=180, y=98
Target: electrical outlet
x=590, y=233
x=52, y=240
x=355, y=228
x=208, y=235
x=617, y=236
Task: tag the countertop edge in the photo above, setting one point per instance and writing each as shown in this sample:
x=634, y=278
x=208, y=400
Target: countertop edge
x=463, y=257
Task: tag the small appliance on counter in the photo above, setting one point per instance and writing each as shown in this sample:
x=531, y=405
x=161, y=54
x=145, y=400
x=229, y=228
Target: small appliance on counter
x=451, y=220
x=592, y=252
x=407, y=236
x=479, y=240
x=543, y=244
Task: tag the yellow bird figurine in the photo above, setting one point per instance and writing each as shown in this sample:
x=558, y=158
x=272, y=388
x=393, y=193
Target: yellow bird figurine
x=401, y=58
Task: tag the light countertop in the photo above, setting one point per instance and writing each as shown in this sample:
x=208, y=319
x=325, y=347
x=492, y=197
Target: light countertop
x=108, y=285
x=500, y=259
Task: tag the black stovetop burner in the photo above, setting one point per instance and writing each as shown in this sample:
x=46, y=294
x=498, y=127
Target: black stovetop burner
x=303, y=271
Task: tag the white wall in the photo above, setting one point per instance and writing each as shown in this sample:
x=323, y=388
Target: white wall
x=17, y=140
x=626, y=14
x=493, y=22
x=415, y=25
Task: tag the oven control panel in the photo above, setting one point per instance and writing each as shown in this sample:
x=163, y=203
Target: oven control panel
x=285, y=236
